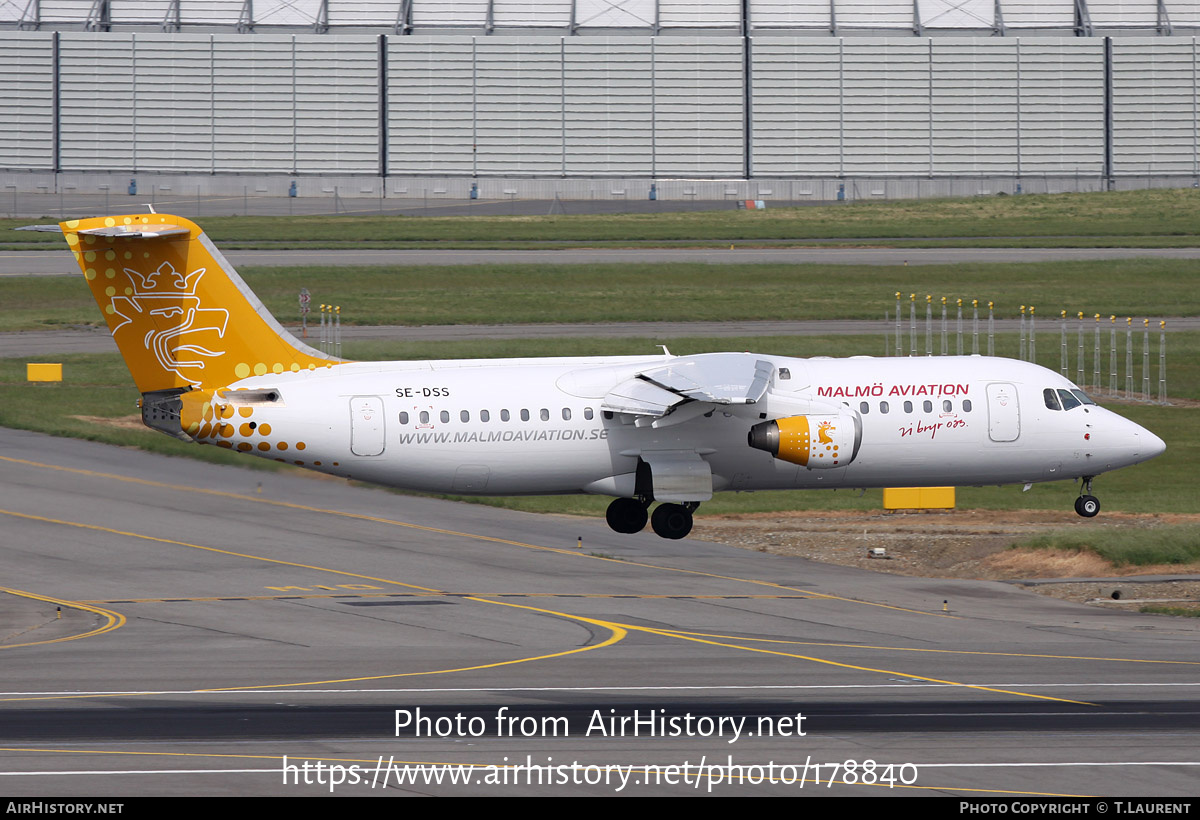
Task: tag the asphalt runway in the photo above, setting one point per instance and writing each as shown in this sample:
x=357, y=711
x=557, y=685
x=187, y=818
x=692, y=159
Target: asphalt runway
x=97, y=340
x=216, y=620
x=60, y=263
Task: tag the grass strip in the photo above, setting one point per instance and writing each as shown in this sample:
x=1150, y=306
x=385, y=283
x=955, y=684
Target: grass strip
x=678, y=292
x=1150, y=213
x=1166, y=544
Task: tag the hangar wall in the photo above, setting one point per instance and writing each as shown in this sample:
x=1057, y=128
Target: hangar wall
x=772, y=105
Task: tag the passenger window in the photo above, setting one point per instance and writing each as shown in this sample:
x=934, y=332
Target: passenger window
x=587, y=413
x=927, y=406
x=784, y=374
x=608, y=415
x=403, y=417
x=864, y=408
x=424, y=417
x=883, y=407
x=544, y=415
x=503, y=415
x=947, y=406
x=566, y=414
x=908, y=407
x=966, y=405
x=1068, y=400
x=445, y=416
x=524, y=414
x=484, y=415
x=464, y=416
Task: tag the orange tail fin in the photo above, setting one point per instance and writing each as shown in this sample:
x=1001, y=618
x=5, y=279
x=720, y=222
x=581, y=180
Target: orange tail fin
x=180, y=314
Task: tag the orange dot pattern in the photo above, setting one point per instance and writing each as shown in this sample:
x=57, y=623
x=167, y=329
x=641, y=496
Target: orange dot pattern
x=243, y=436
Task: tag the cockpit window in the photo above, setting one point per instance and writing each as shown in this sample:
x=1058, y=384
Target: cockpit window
x=1083, y=397
x=1068, y=399
x=1051, y=398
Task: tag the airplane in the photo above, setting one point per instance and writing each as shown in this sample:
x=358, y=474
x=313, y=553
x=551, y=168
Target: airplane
x=215, y=367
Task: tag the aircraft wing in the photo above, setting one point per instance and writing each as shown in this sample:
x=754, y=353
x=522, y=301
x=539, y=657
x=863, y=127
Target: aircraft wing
x=712, y=378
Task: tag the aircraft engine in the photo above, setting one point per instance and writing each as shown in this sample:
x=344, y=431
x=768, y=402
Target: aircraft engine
x=812, y=441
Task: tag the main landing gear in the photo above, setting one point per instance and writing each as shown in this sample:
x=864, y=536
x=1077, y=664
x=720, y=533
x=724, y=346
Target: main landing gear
x=1087, y=504
x=628, y=515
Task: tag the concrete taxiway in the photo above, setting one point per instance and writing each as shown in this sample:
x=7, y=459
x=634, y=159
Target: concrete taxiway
x=215, y=620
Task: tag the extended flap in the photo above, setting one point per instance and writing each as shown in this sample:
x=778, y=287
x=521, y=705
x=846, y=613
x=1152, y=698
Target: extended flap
x=679, y=475
x=640, y=397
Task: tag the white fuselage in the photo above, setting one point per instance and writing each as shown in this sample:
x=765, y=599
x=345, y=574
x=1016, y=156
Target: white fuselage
x=537, y=426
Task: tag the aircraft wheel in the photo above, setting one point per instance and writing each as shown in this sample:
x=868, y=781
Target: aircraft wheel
x=672, y=521
x=626, y=515
x=1087, y=506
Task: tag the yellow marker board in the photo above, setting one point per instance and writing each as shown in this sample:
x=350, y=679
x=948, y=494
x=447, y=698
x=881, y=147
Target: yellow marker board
x=918, y=498
x=43, y=372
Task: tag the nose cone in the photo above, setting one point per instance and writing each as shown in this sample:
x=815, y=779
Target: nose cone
x=1150, y=445
x=1119, y=442
x=1131, y=443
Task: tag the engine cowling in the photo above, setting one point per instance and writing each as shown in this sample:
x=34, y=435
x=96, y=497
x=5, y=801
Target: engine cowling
x=818, y=442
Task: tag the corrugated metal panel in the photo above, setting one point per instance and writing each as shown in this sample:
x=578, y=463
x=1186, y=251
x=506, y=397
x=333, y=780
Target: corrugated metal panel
x=698, y=107
x=609, y=107
x=784, y=14
x=12, y=11
x=337, y=103
x=449, y=12
x=555, y=13
x=1039, y=13
x=886, y=106
x=1154, y=106
x=1138, y=13
x=797, y=116
x=97, y=92
x=430, y=93
x=1183, y=12
x=974, y=106
x=254, y=102
x=210, y=12
x=1062, y=105
x=630, y=14
x=883, y=14
x=174, y=104
x=143, y=13
x=286, y=12
x=700, y=13
x=27, y=104
x=957, y=14
x=519, y=126
x=430, y=105
x=65, y=11
x=364, y=13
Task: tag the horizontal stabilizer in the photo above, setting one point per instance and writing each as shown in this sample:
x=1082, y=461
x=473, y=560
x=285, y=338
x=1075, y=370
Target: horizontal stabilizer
x=137, y=231
x=123, y=231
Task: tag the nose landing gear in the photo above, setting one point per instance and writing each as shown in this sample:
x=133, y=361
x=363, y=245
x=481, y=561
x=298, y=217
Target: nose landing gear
x=1087, y=505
